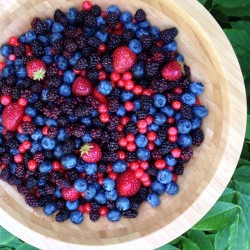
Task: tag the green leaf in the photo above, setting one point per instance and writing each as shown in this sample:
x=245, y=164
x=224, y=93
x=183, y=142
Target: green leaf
x=26, y=246
x=200, y=239
x=5, y=236
x=228, y=195
x=231, y=3
x=221, y=239
x=242, y=187
x=238, y=237
x=243, y=162
x=242, y=174
x=211, y=238
x=246, y=151
x=173, y=242
x=244, y=203
x=203, y=2
x=14, y=243
x=5, y=248
x=241, y=25
x=248, y=128
x=236, y=12
x=190, y=245
x=167, y=247
x=220, y=216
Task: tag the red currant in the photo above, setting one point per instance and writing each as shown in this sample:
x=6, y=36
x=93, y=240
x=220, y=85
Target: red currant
x=122, y=142
x=77, y=72
x=6, y=100
x=109, y=168
x=21, y=149
x=173, y=138
x=86, y=208
x=27, y=144
x=149, y=119
x=137, y=90
x=142, y=124
x=145, y=177
x=176, y=105
x=13, y=41
x=102, y=48
x=115, y=76
x=197, y=102
x=112, y=175
x=160, y=164
x=175, y=177
x=100, y=180
x=151, y=136
x=124, y=120
x=130, y=138
x=102, y=75
x=129, y=106
x=56, y=165
x=178, y=90
x=102, y=108
x=32, y=165
x=118, y=26
x=121, y=155
x=27, y=118
x=104, y=117
x=87, y=5
x=121, y=83
x=131, y=146
x=143, y=130
x=144, y=165
x=12, y=57
x=138, y=173
x=18, y=158
x=22, y=101
x=119, y=128
x=170, y=120
x=151, y=146
x=147, y=183
x=129, y=85
x=45, y=130
x=2, y=65
x=172, y=131
x=127, y=76
x=176, y=152
x=103, y=210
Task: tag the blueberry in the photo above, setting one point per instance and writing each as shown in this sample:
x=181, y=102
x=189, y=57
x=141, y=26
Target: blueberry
x=22, y=39
x=188, y=98
x=73, y=118
x=136, y=105
x=95, y=113
x=160, y=119
x=76, y=217
x=72, y=205
x=100, y=21
x=36, y=147
x=71, y=15
x=62, y=135
x=114, y=8
x=152, y=110
x=42, y=182
x=138, y=70
x=180, y=58
x=126, y=17
x=57, y=28
x=22, y=137
x=62, y=63
x=195, y=123
x=144, y=24
x=168, y=111
x=130, y=26
x=55, y=36
x=184, y=126
x=80, y=185
x=80, y=166
x=141, y=141
x=45, y=167
x=47, y=60
x=69, y=76
x=172, y=46
x=69, y=161
x=14, y=151
x=102, y=36
x=77, y=143
x=87, y=138
x=135, y=46
x=164, y=176
x=119, y=167
x=111, y=195
x=172, y=188
x=8, y=71
x=37, y=135
x=153, y=200
x=126, y=96
x=30, y=36
x=90, y=168
x=49, y=208
x=21, y=73
x=44, y=40
x=170, y=160
x=121, y=111
x=114, y=215
x=200, y=111
x=86, y=121
x=133, y=118
x=105, y=87
x=58, y=193
x=18, y=62
x=48, y=52
x=65, y=90
x=123, y=203
x=9, y=62
x=49, y=22
x=48, y=143
x=158, y=187
x=158, y=142
x=90, y=192
x=153, y=127
x=159, y=100
x=155, y=32
x=177, y=117
x=13, y=167
x=31, y=111
x=143, y=154
x=100, y=197
x=58, y=151
x=141, y=32
x=184, y=141
x=44, y=94
x=73, y=60
x=196, y=88
x=108, y=184
x=51, y=122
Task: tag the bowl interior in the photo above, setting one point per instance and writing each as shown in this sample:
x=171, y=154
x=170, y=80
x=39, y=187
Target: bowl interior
x=205, y=67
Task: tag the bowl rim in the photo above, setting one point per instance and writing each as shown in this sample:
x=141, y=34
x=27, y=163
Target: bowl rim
x=215, y=35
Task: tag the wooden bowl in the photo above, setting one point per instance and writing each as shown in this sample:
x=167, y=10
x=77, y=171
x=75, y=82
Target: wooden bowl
x=213, y=62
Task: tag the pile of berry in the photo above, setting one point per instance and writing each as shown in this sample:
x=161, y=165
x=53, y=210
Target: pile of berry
x=98, y=113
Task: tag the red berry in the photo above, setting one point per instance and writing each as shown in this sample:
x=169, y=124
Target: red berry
x=32, y=165
x=77, y=72
x=86, y=208
x=149, y=119
x=145, y=177
x=176, y=152
x=170, y=120
x=137, y=90
x=22, y=101
x=138, y=173
x=173, y=138
x=147, y=183
x=87, y=5
x=103, y=210
x=121, y=155
x=172, y=131
x=131, y=147
x=134, y=165
x=129, y=106
x=127, y=76
x=176, y=105
x=178, y=90
x=124, y=120
x=172, y=71
x=104, y=117
x=121, y=83
x=21, y=149
x=27, y=118
x=118, y=26
x=119, y=128
x=27, y=144
x=112, y=175
x=130, y=138
x=56, y=165
x=115, y=77
x=102, y=75
x=45, y=130
x=99, y=97
x=129, y=85
x=109, y=168
x=91, y=152
x=143, y=130
x=6, y=100
x=2, y=65
x=102, y=48
x=36, y=69
x=100, y=180
x=160, y=164
x=13, y=40
x=144, y=165
x=122, y=142
x=170, y=168
x=12, y=57
x=175, y=178
x=151, y=146
x=19, y=129
x=197, y=102
x=142, y=124
x=102, y=108
x=151, y=136
x=82, y=87
x=147, y=92
x=18, y=158
x=70, y=194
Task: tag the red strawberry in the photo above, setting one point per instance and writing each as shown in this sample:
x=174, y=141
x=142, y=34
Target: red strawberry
x=70, y=194
x=100, y=97
x=123, y=59
x=12, y=116
x=91, y=152
x=127, y=184
x=82, y=87
x=172, y=71
x=36, y=69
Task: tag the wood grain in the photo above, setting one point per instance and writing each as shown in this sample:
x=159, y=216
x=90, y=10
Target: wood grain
x=213, y=62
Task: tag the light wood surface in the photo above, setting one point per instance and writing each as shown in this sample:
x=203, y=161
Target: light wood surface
x=213, y=62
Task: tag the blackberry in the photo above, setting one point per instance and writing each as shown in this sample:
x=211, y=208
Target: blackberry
x=162, y=133
x=91, y=178
x=80, y=18
x=168, y=35
x=81, y=64
x=103, y=28
x=102, y=168
x=92, y=101
x=16, y=92
x=90, y=21
x=159, y=86
x=146, y=41
x=51, y=111
x=110, y=204
x=93, y=75
x=166, y=147
x=107, y=63
x=114, y=105
x=26, y=158
x=51, y=71
x=54, y=81
x=48, y=154
x=31, y=182
x=32, y=201
x=145, y=83
x=94, y=216
x=84, y=110
x=140, y=15
x=3, y=149
x=110, y=157
x=36, y=87
x=62, y=215
x=93, y=60
x=141, y=114
x=9, y=135
x=143, y=57
x=186, y=154
x=156, y=154
x=6, y=158
x=19, y=51
x=56, y=176
x=178, y=169
x=38, y=157
x=155, y=49
x=130, y=214
x=12, y=143
x=60, y=203
x=49, y=189
x=186, y=111
x=26, y=59
x=70, y=32
x=127, y=35
x=46, y=199
x=5, y=174
x=94, y=42
x=172, y=97
x=39, y=105
x=143, y=193
x=131, y=156
x=145, y=102
x=27, y=83
x=115, y=135
x=67, y=108
x=187, y=71
x=158, y=57
x=134, y=203
x=44, y=176
x=96, y=10
x=78, y=130
x=40, y=26
x=58, y=15
x=170, y=55
x=6, y=89
x=184, y=84
x=28, y=128
x=114, y=122
x=112, y=19
x=112, y=146
x=86, y=51
x=152, y=171
x=68, y=146
x=114, y=41
x=197, y=137
x=130, y=128
x=26, y=93
x=96, y=133
x=70, y=45
x=52, y=132
x=95, y=206
x=58, y=46
x=21, y=189
x=37, y=48
x=97, y=123
x=52, y=94
x=63, y=183
x=105, y=137
x=152, y=69
x=115, y=94
x=81, y=42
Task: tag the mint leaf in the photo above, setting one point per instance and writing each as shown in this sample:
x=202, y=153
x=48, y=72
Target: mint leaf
x=243, y=188
x=26, y=246
x=243, y=162
x=248, y=128
x=244, y=203
x=242, y=174
x=231, y=3
x=203, y=2
x=167, y=247
x=221, y=239
x=241, y=25
x=190, y=245
x=200, y=239
x=5, y=236
x=220, y=216
x=211, y=238
x=228, y=195
x=14, y=243
x=175, y=241
x=235, y=12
